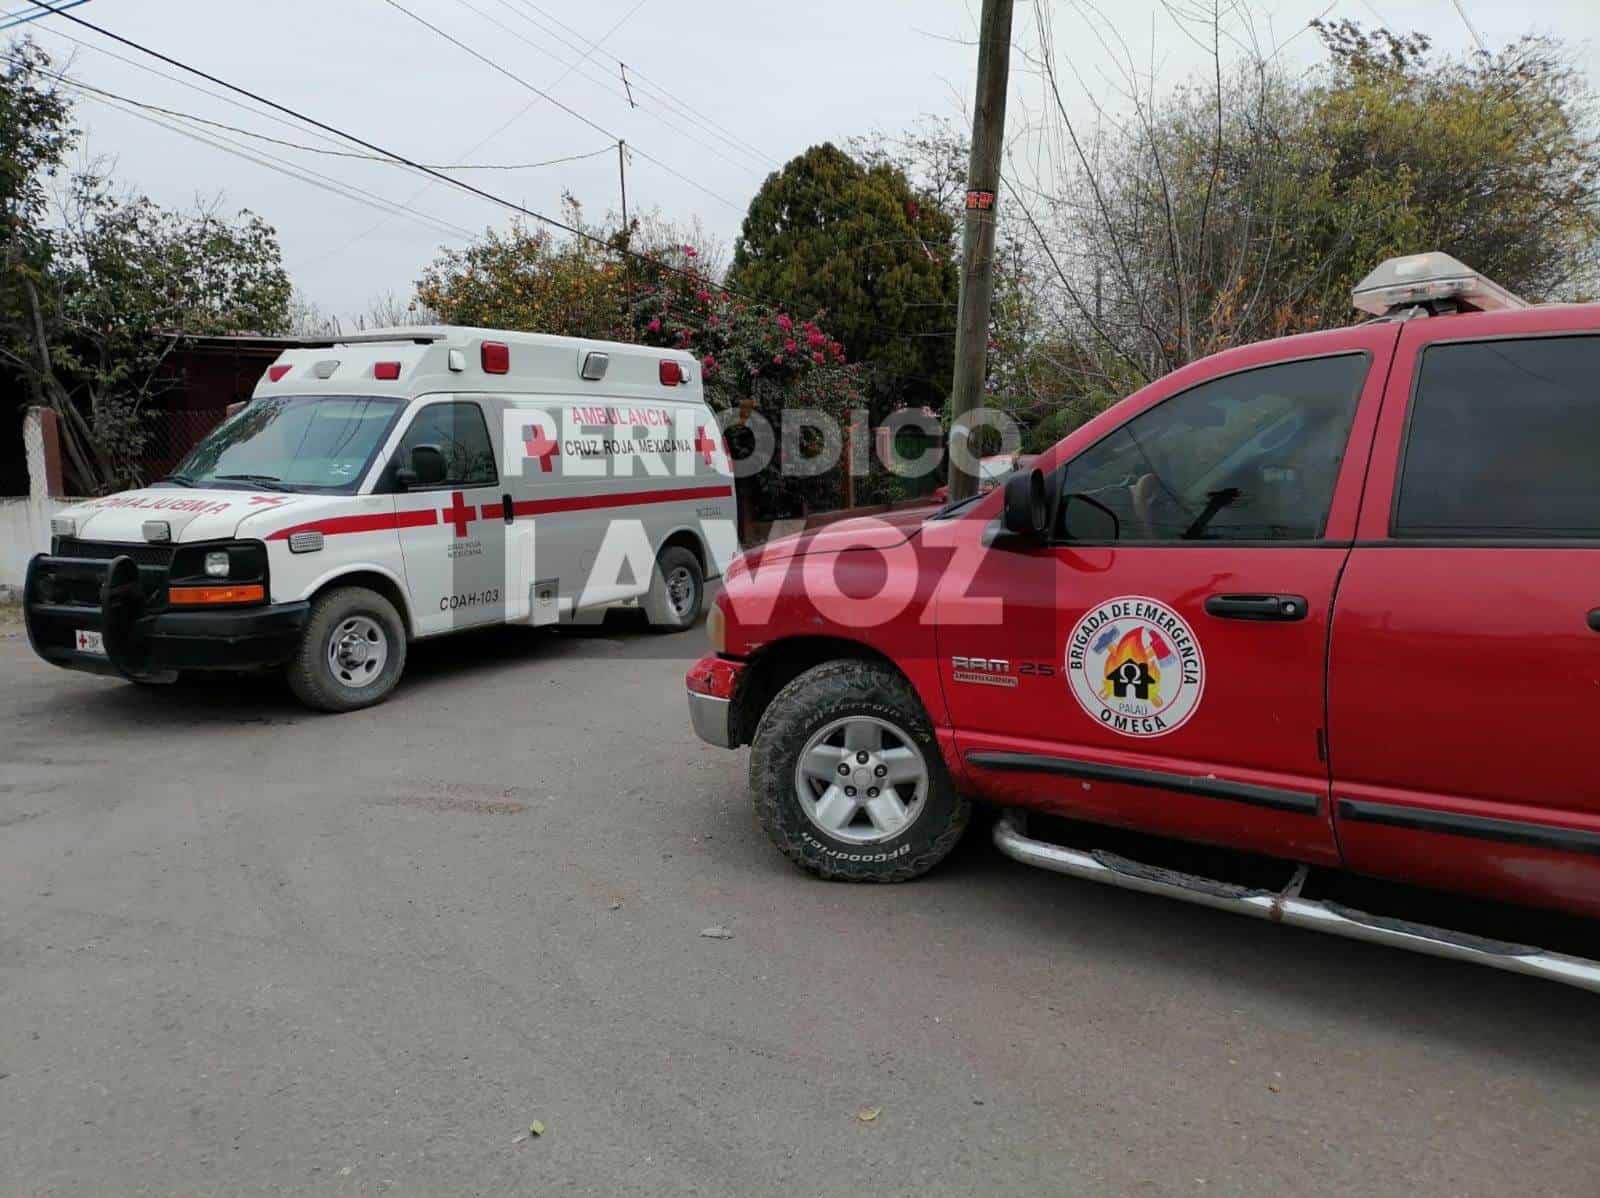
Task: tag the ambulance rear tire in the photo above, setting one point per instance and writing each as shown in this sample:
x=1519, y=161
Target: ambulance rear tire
x=677, y=590
x=351, y=652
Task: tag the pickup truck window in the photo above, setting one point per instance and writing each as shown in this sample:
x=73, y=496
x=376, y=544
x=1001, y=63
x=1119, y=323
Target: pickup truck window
x=1502, y=441
x=1249, y=456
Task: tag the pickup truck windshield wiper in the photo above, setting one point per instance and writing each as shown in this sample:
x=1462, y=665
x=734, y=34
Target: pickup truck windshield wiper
x=956, y=505
x=178, y=480
x=269, y=482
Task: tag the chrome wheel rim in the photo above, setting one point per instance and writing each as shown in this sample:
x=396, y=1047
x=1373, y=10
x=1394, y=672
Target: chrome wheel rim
x=358, y=648
x=861, y=779
x=680, y=591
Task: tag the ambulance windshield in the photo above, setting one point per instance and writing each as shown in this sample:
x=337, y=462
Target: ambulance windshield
x=292, y=443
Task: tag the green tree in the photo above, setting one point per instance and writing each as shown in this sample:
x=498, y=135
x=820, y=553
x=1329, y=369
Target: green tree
x=665, y=291
x=35, y=132
x=1493, y=157
x=525, y=277
x=93, y=307
x=876, y=256
x=130, y=283
x=1246, y=204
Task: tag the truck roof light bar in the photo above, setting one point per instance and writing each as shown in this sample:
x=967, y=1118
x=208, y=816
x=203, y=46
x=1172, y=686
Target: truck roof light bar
x=1433, y=282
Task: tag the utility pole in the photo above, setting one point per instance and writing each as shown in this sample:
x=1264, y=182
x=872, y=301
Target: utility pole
x=622, y=178
x=977, y=239
x=627, y=266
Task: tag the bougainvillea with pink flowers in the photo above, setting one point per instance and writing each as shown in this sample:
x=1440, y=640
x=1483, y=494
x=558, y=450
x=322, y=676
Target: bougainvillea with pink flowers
x=755, y=357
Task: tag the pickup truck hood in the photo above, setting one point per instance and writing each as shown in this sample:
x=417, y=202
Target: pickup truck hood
x=858, y=532
x=195, y=515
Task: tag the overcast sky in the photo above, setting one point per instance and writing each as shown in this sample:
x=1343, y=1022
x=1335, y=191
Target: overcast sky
x=725, y=91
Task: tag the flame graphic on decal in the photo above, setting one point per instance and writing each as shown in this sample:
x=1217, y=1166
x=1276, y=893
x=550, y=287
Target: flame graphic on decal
x=1131, y=650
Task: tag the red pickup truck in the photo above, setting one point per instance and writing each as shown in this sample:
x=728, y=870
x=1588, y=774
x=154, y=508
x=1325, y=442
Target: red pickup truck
x=1332, y=599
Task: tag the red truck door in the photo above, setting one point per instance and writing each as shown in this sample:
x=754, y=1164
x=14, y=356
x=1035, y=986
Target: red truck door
x=1465, y=658
x=1161, y=663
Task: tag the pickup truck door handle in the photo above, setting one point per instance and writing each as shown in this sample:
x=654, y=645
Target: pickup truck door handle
x=1257, y=607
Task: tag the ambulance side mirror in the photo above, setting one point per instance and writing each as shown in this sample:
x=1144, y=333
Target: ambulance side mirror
x=426, y=468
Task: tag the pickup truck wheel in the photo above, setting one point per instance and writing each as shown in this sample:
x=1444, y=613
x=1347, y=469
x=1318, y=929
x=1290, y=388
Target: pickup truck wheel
x=677, y=591
x=848, y=779
x=351, y=651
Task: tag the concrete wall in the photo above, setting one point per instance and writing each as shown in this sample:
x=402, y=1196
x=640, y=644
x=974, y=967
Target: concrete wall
x=25, y=523
x=24, y=531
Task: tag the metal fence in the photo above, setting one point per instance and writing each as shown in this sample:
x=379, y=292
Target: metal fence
x=171, y=435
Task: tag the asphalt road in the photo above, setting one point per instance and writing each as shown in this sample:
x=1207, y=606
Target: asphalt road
x=249, y=950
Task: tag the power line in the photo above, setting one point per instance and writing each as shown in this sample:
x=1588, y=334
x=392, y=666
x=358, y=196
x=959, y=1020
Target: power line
x=1378, y=16
x=293, y=171
x=602, y=83
x=24, y=15
x=472, y=188
x=1467, y=21
x=473, y=149
x=567, y=108
x=462, y=184
x=630, y=85
x=683, y=106
x=194, y=87
x=261, y=158
x=295, y=145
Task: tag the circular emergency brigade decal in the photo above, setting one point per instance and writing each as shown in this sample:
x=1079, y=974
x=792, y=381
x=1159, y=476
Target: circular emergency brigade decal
x=1134, y=665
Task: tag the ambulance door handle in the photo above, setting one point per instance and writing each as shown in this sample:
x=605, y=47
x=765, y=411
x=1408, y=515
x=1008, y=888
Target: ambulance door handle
x=1594, y=620
x=505, y=508
x=1257, y=607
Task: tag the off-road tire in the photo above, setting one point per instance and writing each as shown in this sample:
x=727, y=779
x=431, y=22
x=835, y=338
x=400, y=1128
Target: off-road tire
x=820, y=695
x=308, y=673
x=657, y=603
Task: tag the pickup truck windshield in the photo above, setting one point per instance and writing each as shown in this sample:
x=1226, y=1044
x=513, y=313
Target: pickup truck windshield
x=292, y=443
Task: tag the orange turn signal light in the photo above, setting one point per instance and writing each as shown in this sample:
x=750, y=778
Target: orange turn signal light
x=180, y=596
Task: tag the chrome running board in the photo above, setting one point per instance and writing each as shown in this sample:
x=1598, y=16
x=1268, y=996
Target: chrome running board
x=1286, y=906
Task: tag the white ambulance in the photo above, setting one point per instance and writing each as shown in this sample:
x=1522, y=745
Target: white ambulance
x=391, y=486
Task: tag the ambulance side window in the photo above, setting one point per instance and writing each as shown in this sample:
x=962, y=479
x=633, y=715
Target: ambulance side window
x=459, y=431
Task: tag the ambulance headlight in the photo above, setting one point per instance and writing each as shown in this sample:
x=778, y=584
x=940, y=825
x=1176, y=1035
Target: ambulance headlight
x=233, y=562
x=63, y=526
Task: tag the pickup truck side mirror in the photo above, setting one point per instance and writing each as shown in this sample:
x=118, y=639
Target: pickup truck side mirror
x=426, y=468
x=1085, y=518
x=1027, y=507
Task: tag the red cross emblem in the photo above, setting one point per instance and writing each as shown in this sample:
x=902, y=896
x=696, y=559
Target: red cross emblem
x=705, y=445
x=540, y=446
x=268, y=500
x=458, y=513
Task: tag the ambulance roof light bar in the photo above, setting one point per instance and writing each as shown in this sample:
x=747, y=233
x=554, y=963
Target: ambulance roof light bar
x=368, y=339
x=1431, y=281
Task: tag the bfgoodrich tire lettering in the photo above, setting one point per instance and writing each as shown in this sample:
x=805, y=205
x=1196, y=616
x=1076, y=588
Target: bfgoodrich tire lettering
x=825, y=694
x=310, y=674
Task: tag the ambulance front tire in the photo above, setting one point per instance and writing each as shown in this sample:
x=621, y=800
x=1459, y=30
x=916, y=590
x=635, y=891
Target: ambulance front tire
x=677, y=590
x=351, y=652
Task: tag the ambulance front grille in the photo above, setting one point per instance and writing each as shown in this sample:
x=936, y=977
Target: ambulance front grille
x=144, y=555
